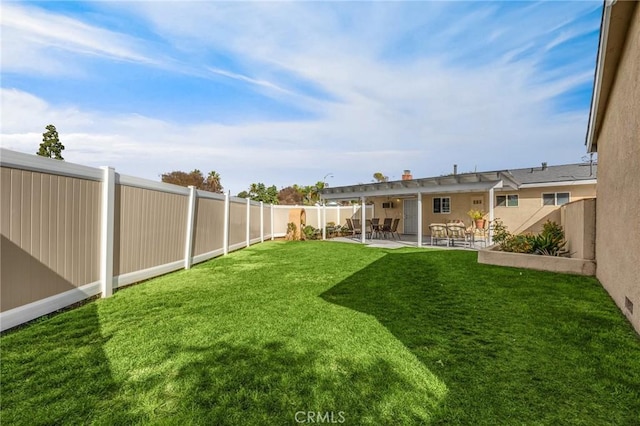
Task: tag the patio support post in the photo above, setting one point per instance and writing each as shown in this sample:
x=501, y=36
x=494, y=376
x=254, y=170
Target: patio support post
x=491, y=201
x=248, y=222
x=106, y=230
x=338, y=219
x=419, y=203
x=191, y=211
x=225, y=232
x=272, y=210
x=363, y=222
x=324, y=221
x=262, y=221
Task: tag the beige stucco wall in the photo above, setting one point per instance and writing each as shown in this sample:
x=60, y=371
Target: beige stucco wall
x=529, y=216
x=618, y=205
x=578, y=220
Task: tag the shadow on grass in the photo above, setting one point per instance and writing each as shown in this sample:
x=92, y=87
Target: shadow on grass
x=510, y=345
x=267, y=383
x=64, y=378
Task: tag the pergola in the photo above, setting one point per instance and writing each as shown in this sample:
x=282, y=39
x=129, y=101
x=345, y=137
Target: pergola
x=454, y=183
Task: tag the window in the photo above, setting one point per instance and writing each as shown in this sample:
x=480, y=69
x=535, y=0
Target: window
x=555, y=198
x=507, y=200
x=442, y=205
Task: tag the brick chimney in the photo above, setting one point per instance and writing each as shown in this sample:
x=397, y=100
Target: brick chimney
x=407, y=175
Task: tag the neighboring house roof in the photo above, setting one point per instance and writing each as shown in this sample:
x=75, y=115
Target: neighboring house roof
x=616, y=20
x=567, y=174
x=556, y=174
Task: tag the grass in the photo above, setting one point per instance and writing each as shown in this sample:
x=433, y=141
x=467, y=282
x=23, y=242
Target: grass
x=371, y=336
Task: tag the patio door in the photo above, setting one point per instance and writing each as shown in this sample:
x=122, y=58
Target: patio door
x=410, y=215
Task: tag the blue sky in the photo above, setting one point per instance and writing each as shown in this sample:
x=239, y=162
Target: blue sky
x=285, y=93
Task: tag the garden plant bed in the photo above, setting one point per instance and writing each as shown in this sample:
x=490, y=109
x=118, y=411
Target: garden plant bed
x=494, y=256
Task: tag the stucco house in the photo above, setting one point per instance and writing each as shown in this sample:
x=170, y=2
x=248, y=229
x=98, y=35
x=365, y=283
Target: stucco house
x=614, y=133
x=522, y=198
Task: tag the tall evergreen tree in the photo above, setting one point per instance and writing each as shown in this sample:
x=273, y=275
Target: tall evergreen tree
x=51, y=146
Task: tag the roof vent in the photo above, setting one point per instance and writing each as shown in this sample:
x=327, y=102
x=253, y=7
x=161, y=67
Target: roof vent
x=544, y=165
x=455, y=169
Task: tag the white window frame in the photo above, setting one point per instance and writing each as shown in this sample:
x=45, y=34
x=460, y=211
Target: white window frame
x=441, y=209
x=555, y=198
x=506, y=200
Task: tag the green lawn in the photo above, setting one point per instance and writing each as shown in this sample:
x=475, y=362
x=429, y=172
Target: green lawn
x=365, y=335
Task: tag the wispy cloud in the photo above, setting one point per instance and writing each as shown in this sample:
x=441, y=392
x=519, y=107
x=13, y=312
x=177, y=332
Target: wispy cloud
x=351, y=87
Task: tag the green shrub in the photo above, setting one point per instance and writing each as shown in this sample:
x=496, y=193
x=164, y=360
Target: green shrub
x=550, y=242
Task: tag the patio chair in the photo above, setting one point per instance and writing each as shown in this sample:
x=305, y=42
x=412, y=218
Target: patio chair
x=350, y=230
x=357, y=227
x=376, y=229
x=458, y=233
x=394, y=228
x=369, y=228
x=438, y=232
x=386, y=226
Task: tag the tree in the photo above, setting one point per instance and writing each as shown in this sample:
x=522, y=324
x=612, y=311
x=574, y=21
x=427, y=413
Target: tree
x=194, y=178
x=290, y=195
x=260, y=192
x=212, y=184
x=379, y=177
x=51, y=146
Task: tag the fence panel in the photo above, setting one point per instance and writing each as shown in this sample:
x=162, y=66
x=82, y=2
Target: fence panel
x=255, y=222
x=50, y=235
x=237, y=223
x=209, y=226
x=150, y=229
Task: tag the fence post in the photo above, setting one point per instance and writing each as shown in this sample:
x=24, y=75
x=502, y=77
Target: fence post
x=191, y=212
x=261, y=222
x=324, y=221
x=225, y=234
x=107, y=230
x=248, y=222
x=419, y=205
x=272, y=210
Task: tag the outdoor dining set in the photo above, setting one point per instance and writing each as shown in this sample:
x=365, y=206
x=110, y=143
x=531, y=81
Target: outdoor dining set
x=373, y=228
x=454, y=233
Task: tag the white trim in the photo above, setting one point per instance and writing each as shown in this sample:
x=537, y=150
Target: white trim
x=261, y=222
x=555, y=198
x=431, y=189
x=272, y=221
x=324, y=221
x=363, y=222
x=563, y=183
x=210, y=195
x=191, y=212
x=107, y=215
x=506, y=196
x=33, y=310
x=225, y=231
x=597, y=82
x=206, y=256
x=151, y=184
x=491, y=214
x=248, y=222
x=440, y=212
x=419, y=204
x=237, y=246
x=136, y=276
x=36, y=163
